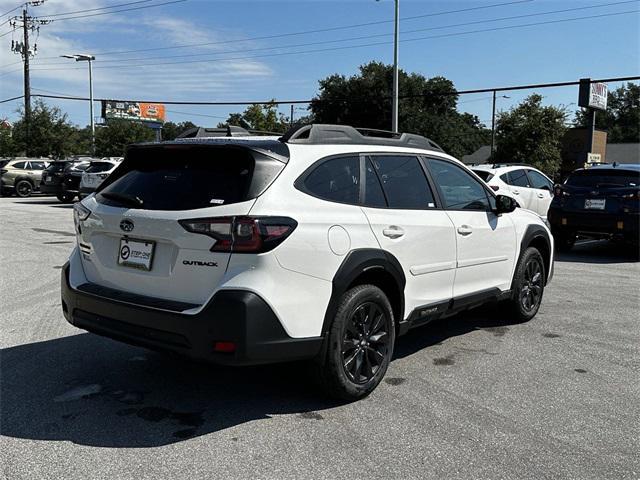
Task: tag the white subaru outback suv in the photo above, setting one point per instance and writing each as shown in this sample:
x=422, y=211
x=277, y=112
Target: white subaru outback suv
x=325, y=244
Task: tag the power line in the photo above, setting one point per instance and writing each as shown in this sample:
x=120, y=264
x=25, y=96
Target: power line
x=325, y=42
x=306, y=32
x=117, y=11
x=289, y=102
x=549, y=22
x=12, y=10
x=96, y=9
x=196, y=114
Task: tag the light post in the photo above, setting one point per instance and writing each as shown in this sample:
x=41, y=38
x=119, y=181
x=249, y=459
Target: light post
x=394, y=102
x=493, y=123
x=82, y=57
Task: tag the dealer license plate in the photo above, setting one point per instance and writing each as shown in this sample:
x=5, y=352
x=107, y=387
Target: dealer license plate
x=136, y=253
x=594, y=203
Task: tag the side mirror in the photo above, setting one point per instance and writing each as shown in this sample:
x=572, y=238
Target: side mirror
x=505, y=204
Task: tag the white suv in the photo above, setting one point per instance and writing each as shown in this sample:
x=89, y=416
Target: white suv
x=324, y=244
x=95, y=174
x=529, y=187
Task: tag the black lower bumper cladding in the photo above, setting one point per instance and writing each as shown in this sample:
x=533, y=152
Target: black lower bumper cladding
x=236, y=316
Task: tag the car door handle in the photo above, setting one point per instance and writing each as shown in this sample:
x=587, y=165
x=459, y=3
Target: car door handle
x=516, y=192
x=465, y=230
x=393, y=232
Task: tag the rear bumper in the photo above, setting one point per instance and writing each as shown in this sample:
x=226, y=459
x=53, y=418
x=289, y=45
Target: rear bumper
x=626, y=224
x=236, y=316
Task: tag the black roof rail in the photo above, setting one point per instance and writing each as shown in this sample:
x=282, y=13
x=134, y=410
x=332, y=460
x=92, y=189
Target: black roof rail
x=228, y=131
x=317, y=134
x=507, y=164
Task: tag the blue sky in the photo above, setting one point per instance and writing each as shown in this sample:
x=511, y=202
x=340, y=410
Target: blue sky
x=261, y=69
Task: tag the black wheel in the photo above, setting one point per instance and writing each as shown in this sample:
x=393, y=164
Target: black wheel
x=360, y=344
x=528, y=285
x=564, y=240
x=23, y=188
x=65, y=197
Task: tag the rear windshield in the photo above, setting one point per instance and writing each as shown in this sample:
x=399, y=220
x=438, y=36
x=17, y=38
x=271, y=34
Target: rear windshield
x=188, y=177
x=604, y=178
x=484, y=175
x=97, y=167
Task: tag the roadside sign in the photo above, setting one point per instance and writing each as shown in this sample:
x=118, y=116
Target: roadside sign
x=594, y=158
x=592, y=94
x=136, y=111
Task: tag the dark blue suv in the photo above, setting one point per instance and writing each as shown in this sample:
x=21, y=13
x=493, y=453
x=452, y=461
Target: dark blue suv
x=599, y=202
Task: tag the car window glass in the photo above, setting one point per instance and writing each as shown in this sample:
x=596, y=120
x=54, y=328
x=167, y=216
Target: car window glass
x=459, y=189
x=505, y=178
x=373, y=194
x=337, y=180
x=538, y=180
x=518, y=178
x=483, y=174
x=19, y=165
x=404, y=182
x=37, y=165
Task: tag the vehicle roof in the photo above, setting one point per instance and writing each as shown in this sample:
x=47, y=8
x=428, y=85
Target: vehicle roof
x=488, y=167
x=635, y=167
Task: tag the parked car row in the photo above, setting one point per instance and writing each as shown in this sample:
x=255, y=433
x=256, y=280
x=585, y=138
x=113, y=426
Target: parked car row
x=602, y=201
x=66, y=179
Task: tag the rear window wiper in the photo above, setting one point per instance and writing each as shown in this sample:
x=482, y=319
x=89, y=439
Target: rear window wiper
x=128, y=200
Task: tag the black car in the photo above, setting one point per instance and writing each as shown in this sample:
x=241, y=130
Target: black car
x=598, y=202
x=62, y=179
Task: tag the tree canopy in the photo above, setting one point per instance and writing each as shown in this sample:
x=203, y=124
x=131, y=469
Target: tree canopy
x=171, y=130
x=113, y=138
x=428, y=107
x=531, y=133
x=259, y=117
x=621, y=120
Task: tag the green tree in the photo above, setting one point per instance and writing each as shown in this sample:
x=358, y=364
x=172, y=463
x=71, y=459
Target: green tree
x=259, y=117
x=621, y=120
x=7, y=145
x=171, y=130
x=428, y=107
x=113, y=138
x=531, y=133
x=51, y=134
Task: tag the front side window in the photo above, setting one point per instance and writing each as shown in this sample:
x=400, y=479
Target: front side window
x=37, y=166
x=336, y=180
x=539, y=181
x=460, y=191
x=403, y=181
x=518, y=178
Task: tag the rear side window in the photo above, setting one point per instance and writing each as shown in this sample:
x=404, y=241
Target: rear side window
x=373, y=194
x=336, y=180
x=97, y=167
x=460, y=191
x=518, y=178
x=602, y=178
x=188, y=177
x=484, y=175
x=404, y=182
x=19, y=165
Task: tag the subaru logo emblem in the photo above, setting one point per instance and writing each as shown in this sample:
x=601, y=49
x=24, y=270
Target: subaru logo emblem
x=126, y=225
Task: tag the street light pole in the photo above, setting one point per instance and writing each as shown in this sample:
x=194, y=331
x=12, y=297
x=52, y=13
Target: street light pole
x=493, y=122
x=394, y=106
x=89, y=59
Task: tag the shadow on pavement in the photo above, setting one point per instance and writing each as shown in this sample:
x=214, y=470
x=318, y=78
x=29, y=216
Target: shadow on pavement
x=92, y=391
x=601, y=252
x=54, y=202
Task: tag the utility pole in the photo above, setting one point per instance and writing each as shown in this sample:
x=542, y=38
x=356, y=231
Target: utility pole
x=394, y=106
x=493, y=122
x=291, y=117
x=23, y=48
x=27, y=82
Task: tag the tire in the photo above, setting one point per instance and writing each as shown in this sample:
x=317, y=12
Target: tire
x=359, y=344
x=564, y=240
x=65, y=197
x=528, y=285
x=23, y=188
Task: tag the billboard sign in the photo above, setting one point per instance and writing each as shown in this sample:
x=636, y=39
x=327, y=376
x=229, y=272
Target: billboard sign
x=592, y=94
x=135, y=111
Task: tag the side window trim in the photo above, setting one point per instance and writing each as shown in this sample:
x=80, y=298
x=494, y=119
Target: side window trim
x=488, y=192
x=364, y=158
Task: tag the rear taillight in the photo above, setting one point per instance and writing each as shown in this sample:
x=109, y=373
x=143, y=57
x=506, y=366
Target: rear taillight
x=242, y=234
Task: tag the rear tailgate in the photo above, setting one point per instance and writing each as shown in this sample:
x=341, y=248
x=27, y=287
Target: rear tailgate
x=132, y=239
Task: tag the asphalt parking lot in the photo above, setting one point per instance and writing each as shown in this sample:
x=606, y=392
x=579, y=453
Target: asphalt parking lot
x=473, y=396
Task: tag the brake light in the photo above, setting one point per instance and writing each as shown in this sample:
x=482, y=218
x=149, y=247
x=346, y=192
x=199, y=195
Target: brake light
x=242, y=234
